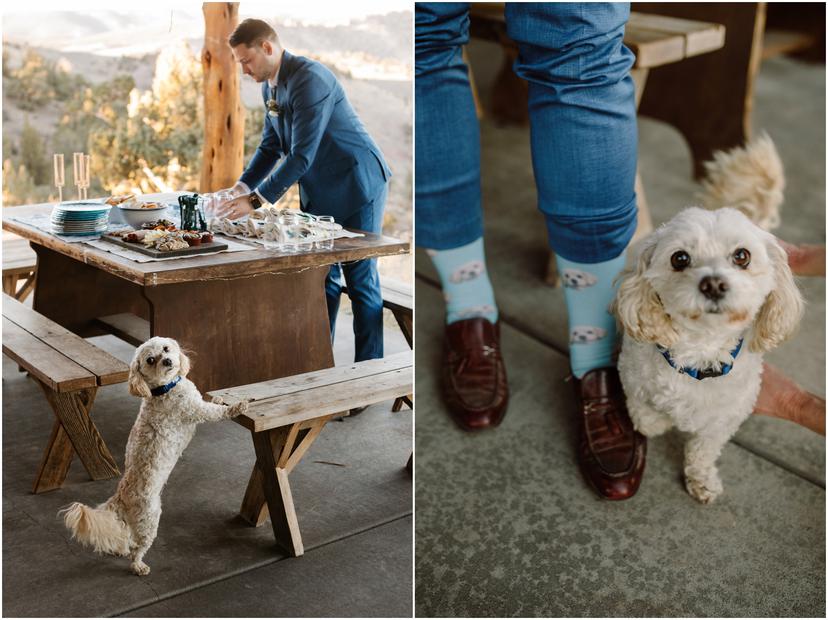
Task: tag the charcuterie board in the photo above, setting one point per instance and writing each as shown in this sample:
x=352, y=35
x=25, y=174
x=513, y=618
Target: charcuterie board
x=194, y=250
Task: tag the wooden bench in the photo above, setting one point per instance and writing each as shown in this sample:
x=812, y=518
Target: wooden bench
x=397, y=297
x=19, y=265
x=69, y=370
x=655, y=40
x=286, y=416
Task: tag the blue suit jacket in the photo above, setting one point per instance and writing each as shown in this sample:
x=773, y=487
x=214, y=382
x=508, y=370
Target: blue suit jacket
x=325, y=147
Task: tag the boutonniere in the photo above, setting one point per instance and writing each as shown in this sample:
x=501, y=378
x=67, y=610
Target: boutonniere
x=273, y=108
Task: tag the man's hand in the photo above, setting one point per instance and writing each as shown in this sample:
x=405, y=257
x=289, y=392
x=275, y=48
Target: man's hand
x=236, y=208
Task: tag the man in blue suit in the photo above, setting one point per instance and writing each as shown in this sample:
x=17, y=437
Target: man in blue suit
x=311, y=127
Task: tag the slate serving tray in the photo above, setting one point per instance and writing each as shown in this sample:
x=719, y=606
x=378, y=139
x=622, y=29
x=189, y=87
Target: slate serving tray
x=213, y=246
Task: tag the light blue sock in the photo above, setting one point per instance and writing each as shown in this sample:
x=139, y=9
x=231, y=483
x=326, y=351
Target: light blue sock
x=466, y=286
x=588, y=290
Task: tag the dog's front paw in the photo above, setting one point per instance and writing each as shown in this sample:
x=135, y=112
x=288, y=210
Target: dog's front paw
x=217, y=400
x=704, y=489
x=140, y=569
x=238, y=409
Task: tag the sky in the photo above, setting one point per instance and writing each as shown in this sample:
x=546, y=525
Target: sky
x=93, y=26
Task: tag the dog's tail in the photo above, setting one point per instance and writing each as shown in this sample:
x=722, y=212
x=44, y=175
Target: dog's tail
x=99, y=528
x=749, y=178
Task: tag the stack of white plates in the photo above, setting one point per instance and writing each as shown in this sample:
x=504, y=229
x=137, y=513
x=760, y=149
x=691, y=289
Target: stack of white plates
x=80, y=218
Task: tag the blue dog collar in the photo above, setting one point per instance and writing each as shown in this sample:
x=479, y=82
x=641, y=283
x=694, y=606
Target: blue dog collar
x=705, y=373
x=163, y=389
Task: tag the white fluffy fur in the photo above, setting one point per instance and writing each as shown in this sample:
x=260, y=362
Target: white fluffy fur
x=750, y=179
x=658, y=304
x=126, y=523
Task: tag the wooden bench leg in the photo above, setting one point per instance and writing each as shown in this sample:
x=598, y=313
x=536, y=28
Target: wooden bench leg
x=27, y=288
x=10, y=285
x=268, y=491
x=403, y=400
x=56, y=461
x=276, y=490
x=72, y=411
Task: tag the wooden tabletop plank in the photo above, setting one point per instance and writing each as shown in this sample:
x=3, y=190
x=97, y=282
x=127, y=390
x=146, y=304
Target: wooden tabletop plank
x=52, y=368
x=106, y=368
x=226, y=265
x=288, y=386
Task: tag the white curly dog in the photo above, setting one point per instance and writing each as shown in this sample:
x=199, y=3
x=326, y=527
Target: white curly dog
x=701, y=299
x=172, y=407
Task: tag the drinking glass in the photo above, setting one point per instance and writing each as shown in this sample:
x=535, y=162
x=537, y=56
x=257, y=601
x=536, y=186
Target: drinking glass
x=77, y=171
x=60, y=179
x=289, y=229
x=325, y=232
x=271, y=237
x=87, y=164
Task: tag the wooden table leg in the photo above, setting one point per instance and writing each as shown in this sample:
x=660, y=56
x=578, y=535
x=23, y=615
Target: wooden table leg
x=248, y=329
x=72, y=410
x=74, y=294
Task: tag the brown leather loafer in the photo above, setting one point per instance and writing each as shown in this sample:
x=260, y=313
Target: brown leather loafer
x=610, y=452
x=474, y=376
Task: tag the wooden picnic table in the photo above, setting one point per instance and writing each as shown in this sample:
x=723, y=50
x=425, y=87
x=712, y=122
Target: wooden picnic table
x=247, y=316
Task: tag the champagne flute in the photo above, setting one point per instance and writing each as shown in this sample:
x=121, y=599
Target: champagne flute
x=59, y=175
x=77, y=166
x=87, y=159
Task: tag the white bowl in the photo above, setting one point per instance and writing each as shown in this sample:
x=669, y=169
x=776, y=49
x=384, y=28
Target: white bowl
x=135, y=216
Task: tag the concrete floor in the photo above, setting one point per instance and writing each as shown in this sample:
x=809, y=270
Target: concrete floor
x=506, y=526
x=356, y=519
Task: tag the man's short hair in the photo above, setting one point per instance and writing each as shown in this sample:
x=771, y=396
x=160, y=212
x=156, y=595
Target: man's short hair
x=252, y=32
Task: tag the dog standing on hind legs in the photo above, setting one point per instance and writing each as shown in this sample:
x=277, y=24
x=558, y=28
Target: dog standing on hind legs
x=126, y=524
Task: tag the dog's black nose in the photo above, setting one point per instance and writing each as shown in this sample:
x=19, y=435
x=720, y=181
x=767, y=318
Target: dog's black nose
x=713, y=287
x=167, y=361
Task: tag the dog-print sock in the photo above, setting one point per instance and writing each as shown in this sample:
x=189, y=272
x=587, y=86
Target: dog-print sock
x=466, y=286
x=588, y=290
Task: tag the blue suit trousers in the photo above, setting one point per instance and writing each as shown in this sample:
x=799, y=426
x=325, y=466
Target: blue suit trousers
x=582, y=115
x=362, y=279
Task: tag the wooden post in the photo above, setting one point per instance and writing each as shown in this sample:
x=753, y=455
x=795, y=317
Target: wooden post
x=223, y=154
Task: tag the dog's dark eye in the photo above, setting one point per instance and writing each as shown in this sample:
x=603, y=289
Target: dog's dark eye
x=166, y=349
x=150, y=360
x=741, y=258
x=680, y=260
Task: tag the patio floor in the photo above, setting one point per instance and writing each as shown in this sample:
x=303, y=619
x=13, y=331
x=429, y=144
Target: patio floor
x=356, y=518
x=505, y=524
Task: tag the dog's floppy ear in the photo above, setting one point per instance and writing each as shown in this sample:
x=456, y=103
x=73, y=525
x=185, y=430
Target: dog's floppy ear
x=636, y=303
x=137, y=385
x=183, y=363
x=782, y=311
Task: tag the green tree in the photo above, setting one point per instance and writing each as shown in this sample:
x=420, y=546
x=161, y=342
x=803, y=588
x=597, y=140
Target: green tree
x=33, y=154
x=28, y=85
x=162, y=130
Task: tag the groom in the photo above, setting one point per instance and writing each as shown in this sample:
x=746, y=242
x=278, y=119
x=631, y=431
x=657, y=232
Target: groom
x=311, y=127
